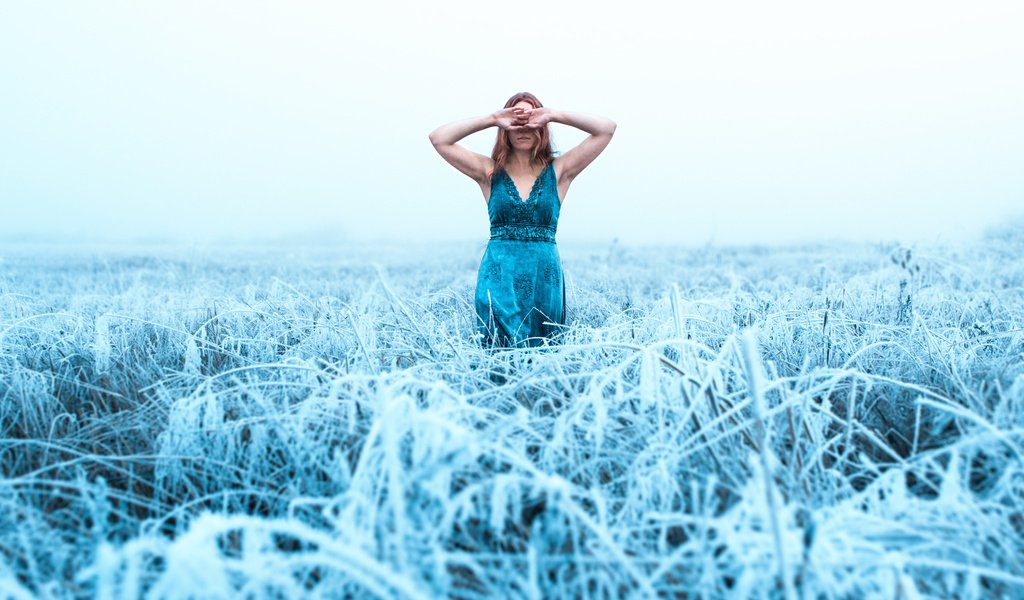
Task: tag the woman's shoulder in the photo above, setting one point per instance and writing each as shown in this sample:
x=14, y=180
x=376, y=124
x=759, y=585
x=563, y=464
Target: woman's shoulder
x=556, y=166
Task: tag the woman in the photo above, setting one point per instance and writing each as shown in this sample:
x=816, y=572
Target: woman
x=520, y=291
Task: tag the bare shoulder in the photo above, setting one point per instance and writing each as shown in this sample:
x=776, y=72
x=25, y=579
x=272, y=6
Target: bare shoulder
x=562, y=180
x=485, y=181
x=558, y=164
x=488, y=170
x=483, y=168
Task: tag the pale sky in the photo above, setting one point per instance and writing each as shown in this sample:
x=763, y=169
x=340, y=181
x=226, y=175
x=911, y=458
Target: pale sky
x=738, y=122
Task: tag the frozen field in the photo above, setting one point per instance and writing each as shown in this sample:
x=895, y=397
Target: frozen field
x=817, y=422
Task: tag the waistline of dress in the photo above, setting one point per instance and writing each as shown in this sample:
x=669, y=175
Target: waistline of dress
x=523, y=233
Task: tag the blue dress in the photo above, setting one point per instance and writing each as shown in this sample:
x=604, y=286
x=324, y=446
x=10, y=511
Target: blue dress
x=520, y=290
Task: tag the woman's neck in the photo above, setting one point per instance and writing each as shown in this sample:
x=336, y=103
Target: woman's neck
x=520, y=162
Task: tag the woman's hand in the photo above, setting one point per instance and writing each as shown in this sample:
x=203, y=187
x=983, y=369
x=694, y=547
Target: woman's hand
x=535, y=118
x=511, y=118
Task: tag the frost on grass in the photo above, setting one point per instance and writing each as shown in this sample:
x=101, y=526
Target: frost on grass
x=720, y=422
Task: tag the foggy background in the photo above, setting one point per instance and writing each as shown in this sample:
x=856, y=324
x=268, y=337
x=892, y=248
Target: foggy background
x=738, y=122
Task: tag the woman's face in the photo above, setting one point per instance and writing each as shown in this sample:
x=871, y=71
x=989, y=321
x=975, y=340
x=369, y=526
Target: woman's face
x=524, y=139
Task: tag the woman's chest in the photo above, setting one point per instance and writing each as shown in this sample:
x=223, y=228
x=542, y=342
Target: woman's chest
x=541, y=208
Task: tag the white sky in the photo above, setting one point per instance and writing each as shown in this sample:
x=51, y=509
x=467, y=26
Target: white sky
x=737, y=121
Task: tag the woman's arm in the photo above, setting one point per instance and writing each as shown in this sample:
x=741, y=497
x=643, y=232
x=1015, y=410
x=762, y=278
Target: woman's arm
x=444, y=137
x=576, y=159
x=592, y=124
x=475, y=165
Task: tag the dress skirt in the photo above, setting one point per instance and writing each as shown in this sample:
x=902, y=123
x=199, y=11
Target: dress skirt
x=520, y=293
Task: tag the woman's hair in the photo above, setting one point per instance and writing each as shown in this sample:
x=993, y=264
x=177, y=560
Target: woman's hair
x=502, y=145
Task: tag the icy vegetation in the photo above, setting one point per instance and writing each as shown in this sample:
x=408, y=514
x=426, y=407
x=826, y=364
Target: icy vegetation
x=813, y=422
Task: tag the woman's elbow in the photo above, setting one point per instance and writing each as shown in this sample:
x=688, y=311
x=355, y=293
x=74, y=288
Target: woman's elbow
x=438, y=140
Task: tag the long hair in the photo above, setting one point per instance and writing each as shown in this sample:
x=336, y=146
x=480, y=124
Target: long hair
x=542, y=151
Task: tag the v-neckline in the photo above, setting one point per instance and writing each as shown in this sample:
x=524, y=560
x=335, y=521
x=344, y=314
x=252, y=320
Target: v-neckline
x=533, y=188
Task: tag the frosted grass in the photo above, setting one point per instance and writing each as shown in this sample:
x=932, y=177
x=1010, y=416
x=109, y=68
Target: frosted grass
x=718, y=422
